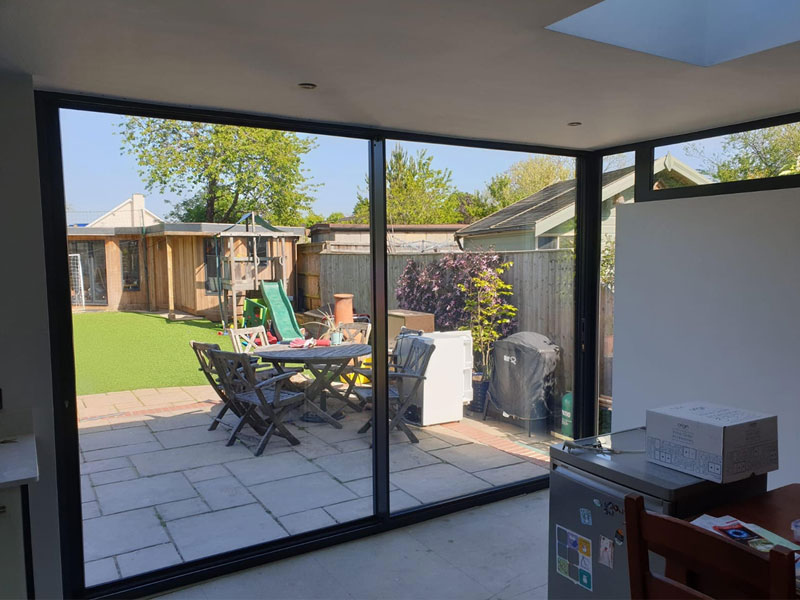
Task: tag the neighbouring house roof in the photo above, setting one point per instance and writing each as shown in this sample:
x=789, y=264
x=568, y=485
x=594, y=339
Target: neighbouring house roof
x=130, y=213
x=357, y=227
x=556, y=203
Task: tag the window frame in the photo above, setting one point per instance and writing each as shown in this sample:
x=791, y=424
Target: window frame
x=137, y=255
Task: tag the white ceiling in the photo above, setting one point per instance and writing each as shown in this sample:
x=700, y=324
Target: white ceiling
x=468, y=68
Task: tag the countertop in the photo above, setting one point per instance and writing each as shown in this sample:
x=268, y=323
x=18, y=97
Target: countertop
x=18, y=464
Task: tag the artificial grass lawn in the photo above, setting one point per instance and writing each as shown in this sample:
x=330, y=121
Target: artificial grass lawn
x=117, y=351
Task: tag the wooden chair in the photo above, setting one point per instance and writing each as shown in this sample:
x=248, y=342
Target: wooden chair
x=247, y=340
x=357, y=333
x=269, y=397
x=202, y=352
x=403, y=386
x=700, y=563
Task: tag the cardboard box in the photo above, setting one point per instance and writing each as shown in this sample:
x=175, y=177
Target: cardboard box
x=411, y=319
x=711, y=441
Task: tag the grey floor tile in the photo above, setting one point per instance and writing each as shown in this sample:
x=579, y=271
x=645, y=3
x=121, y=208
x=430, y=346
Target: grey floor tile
x=511, y=473
x=432, y=443
x=260, y=469
x=122, y=532
x=352, y=445
x=189, y=436
x=114, y=438
x=478, y=541
x=297, y=494
x=145, y=491
x=348, y=466
x=349, y=430
x=224, y=492
x=351, y=510
x=100, y=571
x=397, y=566
x=308, y=520
x=363, y=487
x=147, y=559
x=437, y=482
x=313, y=447
x=182, y=508
x=220, y=531
x=119, y=451
x=113, y=476
x=203, y=473
x=298, y=578
x=188, y=457
x=104, y=465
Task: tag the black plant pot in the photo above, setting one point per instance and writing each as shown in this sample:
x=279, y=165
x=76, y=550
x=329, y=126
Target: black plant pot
x=480, y=388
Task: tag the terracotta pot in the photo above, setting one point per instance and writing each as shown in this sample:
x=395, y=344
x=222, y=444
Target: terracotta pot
x=343, y=309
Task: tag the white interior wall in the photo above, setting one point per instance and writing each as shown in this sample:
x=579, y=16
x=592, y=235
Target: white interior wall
x=706, y=308
x=24, y=335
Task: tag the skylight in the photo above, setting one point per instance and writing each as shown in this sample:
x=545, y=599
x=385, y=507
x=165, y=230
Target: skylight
x=699, y=32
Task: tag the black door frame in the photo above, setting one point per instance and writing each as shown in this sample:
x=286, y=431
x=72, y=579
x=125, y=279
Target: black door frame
x=48, y=105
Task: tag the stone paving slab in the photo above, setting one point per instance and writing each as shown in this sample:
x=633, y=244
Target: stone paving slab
x=308, y=520
x=119, y=451
x=144, y=491
x=297, y=494
x=261, y=469
x=188, y=457
x=105, y=465
x=347, y=467
x=223, y=530
x=113, y=476
x=203, y=473
x=476, y=457
x=111, y=439
x=148, y=559
x=189, y=436
x=90, y=509
x=164, y=422
x=437, y=482
x=224, y=492
x=100, y=571
x=122, y=532
x=182, y=508
x=511, y=473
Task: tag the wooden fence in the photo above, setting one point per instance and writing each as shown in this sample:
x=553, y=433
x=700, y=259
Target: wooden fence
x=543, y=283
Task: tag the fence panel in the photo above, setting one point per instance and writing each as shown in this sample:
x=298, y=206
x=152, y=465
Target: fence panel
x=543, y=284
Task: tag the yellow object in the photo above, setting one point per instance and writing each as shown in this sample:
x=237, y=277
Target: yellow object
x=360, y=379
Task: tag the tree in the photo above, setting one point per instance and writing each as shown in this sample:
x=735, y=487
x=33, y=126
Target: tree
x=753, y=154
x=532, y=174
x=416, y=192
x=221, y=171
x=312, y=218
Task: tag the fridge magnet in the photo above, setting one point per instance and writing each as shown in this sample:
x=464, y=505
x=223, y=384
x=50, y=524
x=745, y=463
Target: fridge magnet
x=574, y=557
x=606, y=556
x=586, y=516
x=619, y=537
x=597, y=503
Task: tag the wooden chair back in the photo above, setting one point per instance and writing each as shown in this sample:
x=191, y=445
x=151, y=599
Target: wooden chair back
x=202, y=352
x=358, y=333
x=235, y=370
x=711, y=565
x=247, y=340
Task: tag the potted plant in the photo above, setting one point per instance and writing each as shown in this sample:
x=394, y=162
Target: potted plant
x=489, y=316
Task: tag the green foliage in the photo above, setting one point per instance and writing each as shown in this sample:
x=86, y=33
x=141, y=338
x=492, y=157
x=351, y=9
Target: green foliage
x=221, y=172
x=607, y=261
x=487, y=310
x=312, y=218
x=416, y=192
x=753, y=154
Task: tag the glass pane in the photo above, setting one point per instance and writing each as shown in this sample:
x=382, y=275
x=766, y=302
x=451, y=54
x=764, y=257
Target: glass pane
x=481, y=305
x=618, y=188
x=754, y=154
x=166, y=476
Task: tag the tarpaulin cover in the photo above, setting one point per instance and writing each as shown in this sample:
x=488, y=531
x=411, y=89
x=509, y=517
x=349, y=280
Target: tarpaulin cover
x=523, y=377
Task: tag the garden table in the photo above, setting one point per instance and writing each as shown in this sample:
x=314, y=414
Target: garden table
x=326, y=363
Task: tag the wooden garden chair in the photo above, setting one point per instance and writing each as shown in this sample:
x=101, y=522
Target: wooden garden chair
x=404, y=383
x=268, y=398
x=247, y=340
x=229, y=403
x=700, y=563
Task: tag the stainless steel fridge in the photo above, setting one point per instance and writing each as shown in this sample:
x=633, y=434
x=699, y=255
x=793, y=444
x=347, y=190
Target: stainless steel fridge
x=587, y=547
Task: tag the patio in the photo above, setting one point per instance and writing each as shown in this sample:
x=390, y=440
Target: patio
x=158, y=488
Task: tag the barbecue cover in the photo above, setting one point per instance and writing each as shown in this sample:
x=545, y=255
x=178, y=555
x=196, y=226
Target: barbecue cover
x=523, y=377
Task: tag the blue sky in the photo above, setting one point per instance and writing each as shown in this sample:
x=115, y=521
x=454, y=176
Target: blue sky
x=97, y=176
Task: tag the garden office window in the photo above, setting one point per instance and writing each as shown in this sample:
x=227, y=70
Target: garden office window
x=129, y=250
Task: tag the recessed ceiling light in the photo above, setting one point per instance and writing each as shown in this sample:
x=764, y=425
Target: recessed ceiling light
x=307, y=85
x=574, y=123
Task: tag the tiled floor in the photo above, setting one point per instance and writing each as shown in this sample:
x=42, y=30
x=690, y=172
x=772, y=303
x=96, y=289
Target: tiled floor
x=496, y=552
x=158, y=488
